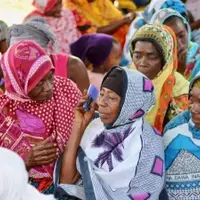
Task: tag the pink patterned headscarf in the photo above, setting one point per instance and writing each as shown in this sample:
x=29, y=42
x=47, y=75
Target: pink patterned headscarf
x=24, y=122
x=44, y=5
x=24, y=65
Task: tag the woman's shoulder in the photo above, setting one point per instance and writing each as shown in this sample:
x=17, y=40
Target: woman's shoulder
x=180, y=119
x=61, y=83
x=68, y=89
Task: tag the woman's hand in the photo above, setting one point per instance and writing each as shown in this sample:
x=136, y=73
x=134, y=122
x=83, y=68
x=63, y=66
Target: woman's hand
x=128, y=18
x=83, y=118
x=42, y=153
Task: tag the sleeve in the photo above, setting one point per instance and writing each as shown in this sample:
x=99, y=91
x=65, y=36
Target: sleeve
x=67, y=191
x=149, y=178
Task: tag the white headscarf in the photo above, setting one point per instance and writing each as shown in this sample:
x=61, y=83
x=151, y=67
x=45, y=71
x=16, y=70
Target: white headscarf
x=14, y=179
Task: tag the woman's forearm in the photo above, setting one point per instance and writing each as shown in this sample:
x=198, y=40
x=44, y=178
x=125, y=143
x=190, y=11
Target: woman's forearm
x=195, y=25
x=68, y=172
x=111, y=28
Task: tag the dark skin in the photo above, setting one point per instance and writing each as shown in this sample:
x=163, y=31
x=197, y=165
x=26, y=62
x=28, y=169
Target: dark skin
x=77, y=72
x=3, y=47
x=147, y=59
x=179, y=28
x=113, y=59
x=56, y=10
x=44, y=152
x=43, y=91
x=194, y=106
x=108, y=106
x=112, y=27
x=193, y=24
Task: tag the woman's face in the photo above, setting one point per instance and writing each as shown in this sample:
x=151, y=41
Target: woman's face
x=43, y=91
x=109, y=103
x=178, y=26
x=147, y=59
x=56, y=10
x=114, y=57
x=194, y=106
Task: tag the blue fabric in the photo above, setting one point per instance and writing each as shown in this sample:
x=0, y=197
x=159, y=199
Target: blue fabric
x=164, y=195
x=193, y=54
x=176, y=5
x=182, y=156
x=88, y=186
x=59, y=192
x=195, y=59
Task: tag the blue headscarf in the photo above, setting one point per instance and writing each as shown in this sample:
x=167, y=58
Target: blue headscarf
x=193, y=55
x=145, y=18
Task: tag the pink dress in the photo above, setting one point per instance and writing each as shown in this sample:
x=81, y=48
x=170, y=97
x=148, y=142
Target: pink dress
x=60, y=62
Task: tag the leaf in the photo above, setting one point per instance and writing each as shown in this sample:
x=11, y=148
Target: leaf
x=99, y=140
x=109, y=162
x=117, y=153
x=102, y=158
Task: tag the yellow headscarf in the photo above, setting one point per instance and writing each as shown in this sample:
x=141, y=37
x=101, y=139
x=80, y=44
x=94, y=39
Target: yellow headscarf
x=99, y=12
x=127, y=4
x=165, y=82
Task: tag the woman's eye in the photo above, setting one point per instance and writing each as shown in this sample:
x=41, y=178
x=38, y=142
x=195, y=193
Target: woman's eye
x=101, y=94
x=111, y=98
x=39, y=84
x=153, y=57
x=136, y=56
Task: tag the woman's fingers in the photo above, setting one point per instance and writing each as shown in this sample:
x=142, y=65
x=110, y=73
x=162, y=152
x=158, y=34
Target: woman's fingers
x=45, y=152
x=49, y=161
x=46, y=144
x=42, y=159
x=84, y=92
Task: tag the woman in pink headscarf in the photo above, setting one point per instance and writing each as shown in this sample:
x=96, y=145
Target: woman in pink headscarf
x=36, y=110
x=61, y=21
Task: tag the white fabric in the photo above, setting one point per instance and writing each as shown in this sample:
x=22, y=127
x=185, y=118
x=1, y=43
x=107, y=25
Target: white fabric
x=171, y=134
x=40, y=4
x=14, y=179
x=132, y=146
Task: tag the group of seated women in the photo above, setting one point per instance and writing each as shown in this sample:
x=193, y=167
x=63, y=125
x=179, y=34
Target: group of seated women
x=138, y=141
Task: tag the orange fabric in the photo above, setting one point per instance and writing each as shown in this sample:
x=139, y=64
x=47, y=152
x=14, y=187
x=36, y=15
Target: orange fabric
x=166, y=95
x=97, y=14
x=182, y=102
x=44, y=184
x=81, y=21
x=120, y=34
x=165, y=99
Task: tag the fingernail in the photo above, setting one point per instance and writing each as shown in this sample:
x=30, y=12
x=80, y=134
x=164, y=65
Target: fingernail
x=57, y=149
x=57, y=153
x=55, y=145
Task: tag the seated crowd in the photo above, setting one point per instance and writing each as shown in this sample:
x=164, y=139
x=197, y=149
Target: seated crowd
x=139, y=139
